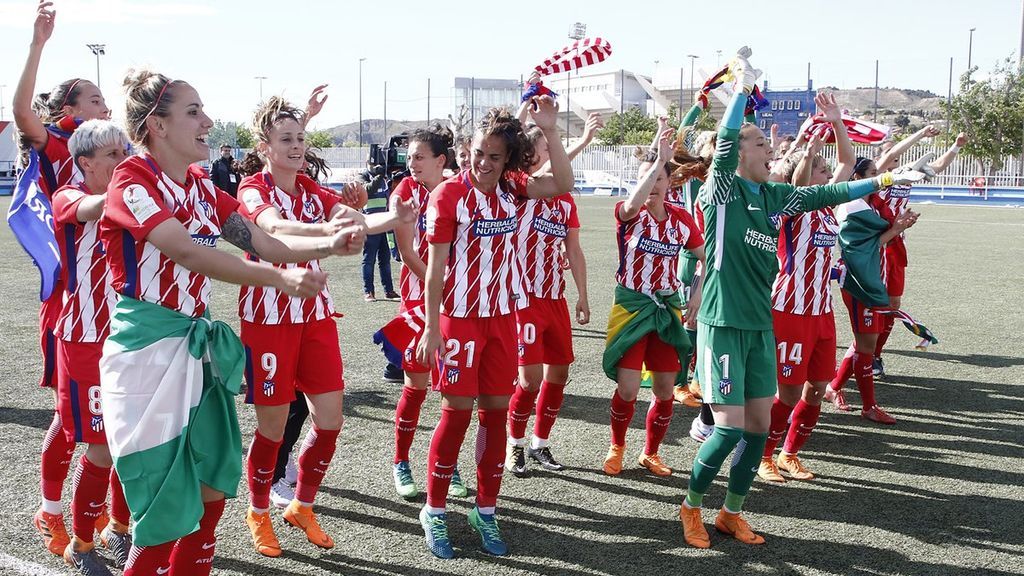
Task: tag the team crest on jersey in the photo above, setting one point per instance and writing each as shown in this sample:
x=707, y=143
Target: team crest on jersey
x=96, y=424
x=776, y=220
x=408, y=354
x=725, y=386
x=672, y=234
x=206, y=208
x=268, y=388
x=787, y=370
x=309, y=208
x=451, y=375
x=522, y=349
x=421, y=223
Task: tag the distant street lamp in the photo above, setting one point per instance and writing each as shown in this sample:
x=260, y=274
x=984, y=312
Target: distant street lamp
x=2, y=86
x=970, y=46
x=97, y=51
x=361, y=60
x=261, y=79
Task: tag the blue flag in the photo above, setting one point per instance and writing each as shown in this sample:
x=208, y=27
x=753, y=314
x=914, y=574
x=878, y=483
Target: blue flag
x=31, y=219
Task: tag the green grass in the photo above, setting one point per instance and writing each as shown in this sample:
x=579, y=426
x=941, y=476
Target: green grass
x=937, y=494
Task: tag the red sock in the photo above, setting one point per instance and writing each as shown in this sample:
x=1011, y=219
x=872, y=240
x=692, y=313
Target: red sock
x=149, y=560
x=315, y=457
x=193, y=554
x=622, y=415
x=548, y=404
x=407, y=417
x=805, y=418
x=845, y=371
x=260, y=465
x=444, y=453
x=490, y=455
x=519, y=409
x=119, y=511
x=88, y=497
x=659, y=416
x=778, y=426
x=887, y=324
x=865, y=379
x=57, y=453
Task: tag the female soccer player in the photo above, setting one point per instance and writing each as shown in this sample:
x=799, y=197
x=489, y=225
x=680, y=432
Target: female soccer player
x=645, y=327
x=426, y=159
x=735, y=344
x=472, y=289
x=291, y=343
x=96, y=147
x=802, y=319
x=545, y=228
x=170, y=418
x=63, y=108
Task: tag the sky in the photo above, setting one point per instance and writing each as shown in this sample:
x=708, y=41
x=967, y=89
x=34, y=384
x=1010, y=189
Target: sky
x=220, y=47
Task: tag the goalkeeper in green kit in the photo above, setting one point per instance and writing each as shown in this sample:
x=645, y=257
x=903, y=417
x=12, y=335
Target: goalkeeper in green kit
x=735, y=344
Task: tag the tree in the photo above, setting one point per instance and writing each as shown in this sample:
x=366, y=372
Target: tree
x=991, y=112
x=319, y=139
x=630, y=128
x=224, y=133
x=244, y=137
x=902, y=120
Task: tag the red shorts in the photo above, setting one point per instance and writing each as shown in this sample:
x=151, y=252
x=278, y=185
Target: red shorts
x=864, y=320
x=409, y=363
x=806, y=347
x=545, y=334
x=653, y=353
x=477, y=356
x=895, y=278
x=283, y=358
x=78, y=391
x=49, y=313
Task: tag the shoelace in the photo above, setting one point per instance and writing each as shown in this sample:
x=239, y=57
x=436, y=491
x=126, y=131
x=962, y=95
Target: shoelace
x=404, y=475
x=490, y=529
x=456, y=478
x=438, y=529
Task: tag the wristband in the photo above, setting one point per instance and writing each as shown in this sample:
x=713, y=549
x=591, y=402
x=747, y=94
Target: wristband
x=954, y=148
x=885, y=180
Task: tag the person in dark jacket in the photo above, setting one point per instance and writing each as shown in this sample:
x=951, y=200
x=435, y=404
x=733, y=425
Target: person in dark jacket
x=377, y=250
x=223, y=172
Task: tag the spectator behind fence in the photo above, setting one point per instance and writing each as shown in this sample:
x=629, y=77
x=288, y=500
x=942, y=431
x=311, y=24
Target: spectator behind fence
x=224, y=173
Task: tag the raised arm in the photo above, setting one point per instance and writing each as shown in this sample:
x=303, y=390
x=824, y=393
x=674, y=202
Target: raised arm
x=888, y=160
x=560, y=179
x=317, y=98
x=943, y=162
x=594, y=123
x=636, y=199
x=24, y=117
x=846, y=158
x=718, y=188
x=802, y=174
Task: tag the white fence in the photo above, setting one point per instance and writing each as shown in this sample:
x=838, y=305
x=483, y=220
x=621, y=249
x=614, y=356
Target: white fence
x=620, y=163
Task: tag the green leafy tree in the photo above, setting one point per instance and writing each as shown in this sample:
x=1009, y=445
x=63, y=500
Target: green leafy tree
x=223, y=133
x=991, y=112
x=633, y=127
x=319, y=139
x=244, y=137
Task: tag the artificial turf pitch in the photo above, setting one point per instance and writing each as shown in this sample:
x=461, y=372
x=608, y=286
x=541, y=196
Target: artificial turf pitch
x=939, y=493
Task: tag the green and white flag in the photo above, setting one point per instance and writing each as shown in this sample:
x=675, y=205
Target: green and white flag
x=167, y=382
x=859, y=232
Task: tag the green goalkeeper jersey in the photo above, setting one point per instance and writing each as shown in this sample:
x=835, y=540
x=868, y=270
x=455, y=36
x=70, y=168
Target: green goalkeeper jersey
x=741, y=231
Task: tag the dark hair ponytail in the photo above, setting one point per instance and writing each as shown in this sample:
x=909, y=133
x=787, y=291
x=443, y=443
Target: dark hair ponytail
x=501, y=123
x=437, y=137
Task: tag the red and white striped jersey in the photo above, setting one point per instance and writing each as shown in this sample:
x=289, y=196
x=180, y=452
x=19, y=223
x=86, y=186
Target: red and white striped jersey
x=140, y=197
x=88, y=296
x=481, y=277
x=411, y=285
x=311, y=205
x=56, y=167
x=543, y=226
x=897, y=197
x=802, y=285
x=649, y=249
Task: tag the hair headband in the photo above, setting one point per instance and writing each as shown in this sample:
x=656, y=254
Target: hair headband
x=68, y=94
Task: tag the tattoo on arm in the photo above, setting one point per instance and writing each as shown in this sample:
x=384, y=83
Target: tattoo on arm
x=236, y=231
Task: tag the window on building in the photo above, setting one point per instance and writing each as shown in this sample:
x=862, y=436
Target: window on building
x=797, y=105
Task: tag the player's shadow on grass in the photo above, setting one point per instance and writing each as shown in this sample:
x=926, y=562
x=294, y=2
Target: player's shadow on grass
x=31, y=417
x=333, y=562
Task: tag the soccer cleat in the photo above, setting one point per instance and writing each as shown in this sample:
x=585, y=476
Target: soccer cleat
x=490, y=537
x=655, y=464
x=792, y=465
x=613, y=461
x=515, y=460
x=263, y=537
x=544, y=457
x=393, y=373
x=700, y=431
x=876, y=414
x=303, y=518
x=404, y=484
x=734, y=525
x=119, y=543
x=694, y=532
x=682, y=395
x=435, y=528
x=54, y=533
x=769, y=471
x=838, y=398
x=457, y=488
x=85, y=561
x=694, y=388
x=877, y=367
x=282, y=493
